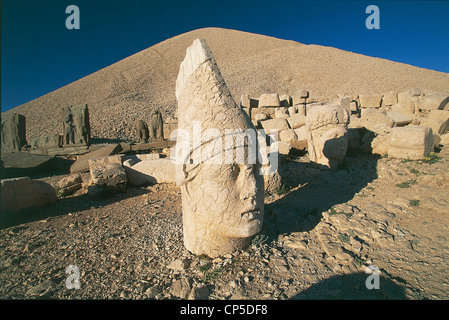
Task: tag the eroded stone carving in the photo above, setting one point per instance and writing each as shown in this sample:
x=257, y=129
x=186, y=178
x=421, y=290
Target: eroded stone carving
x=142, y=131
x=327, y=140
x=13, y=132
x=222, y=203
x=76, y=127
x=156, y=126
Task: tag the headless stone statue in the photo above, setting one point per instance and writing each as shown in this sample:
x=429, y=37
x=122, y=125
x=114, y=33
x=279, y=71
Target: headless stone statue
x=142, y=131
x=13, y=133
x=76, y=127
x=156, y=126
x=327, y=135
x=222, y=202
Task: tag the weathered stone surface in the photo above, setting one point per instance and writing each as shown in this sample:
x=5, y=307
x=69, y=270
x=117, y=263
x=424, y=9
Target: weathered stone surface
x=222, y=203
x=107, y=171
x=281, y=113
x=19, y=164
x=296, y=121
x=151, y=172
x=272, y=182
x=327, y=139
x=389, y=99
x=69, y=184
x=300, y=96
x=20, y=193
x=76, y=126
x=402, y=109
x=267, y=100
x=284, y=147
x=370, y=101
x=46, y=141
x=434, y=101
x=438, y=120
x=274, y=124
x=411, y=142
x=400, y=119
x=287, y=135
x=156, y=127
x=13, y=133
x=82, y=163
x=376, y=121
x=143, y=133
x=408, y=100
x=286, y=101
x=268, y=112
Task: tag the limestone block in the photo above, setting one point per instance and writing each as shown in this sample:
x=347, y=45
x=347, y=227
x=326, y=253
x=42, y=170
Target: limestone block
x=108, y=171
x=438, y=120
x=272, y=182
x=287, y=135
x=69, y=184
x=283, y=147
x=292, y=110
x=267, y=100
x=370, y=101
x=82, y=163
x=403, y=109
x=274, y=124
x=245, y=101
x=286, y=101
x=301, y=133
x=20, y=193
x=151, y=172
x=411, y=142
x=434, y=101
x=281, y=113
x=353, y=107
x=261, y=117
x=376, y=121
x=300, y=96
x=389, y=99
x=408, y=100
x=296, y=121
x=400, y=119
x=268, y=112
x=327, y=135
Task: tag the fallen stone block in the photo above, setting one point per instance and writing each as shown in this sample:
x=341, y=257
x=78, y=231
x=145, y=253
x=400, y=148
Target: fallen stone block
x=434, y=101
x=108, y=171
x=389, y=99
x=438, y=120
x=19, y=164
x=82, y=163
x=408, y=100
x=376, y=121
x=69, y=184
x=296, y=121
x=274, y=124
x=370, y=101
x=21, y=193
x=287, y=135
x=268, y=100
x=400, y=119
x=411, y=142
x=151, y=172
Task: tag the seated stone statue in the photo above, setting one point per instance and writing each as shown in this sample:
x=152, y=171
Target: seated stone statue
x=327, y=139
x=142, y=131
x=222, y=202
x=156, y=126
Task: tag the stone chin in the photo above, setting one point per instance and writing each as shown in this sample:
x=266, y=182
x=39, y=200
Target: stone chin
x=250, y=225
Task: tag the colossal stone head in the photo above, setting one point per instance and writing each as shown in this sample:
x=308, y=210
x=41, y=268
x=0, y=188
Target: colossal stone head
x=222, y=198
x=327, y=138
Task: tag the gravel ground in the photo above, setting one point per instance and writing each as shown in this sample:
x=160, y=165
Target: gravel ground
x=320, y=233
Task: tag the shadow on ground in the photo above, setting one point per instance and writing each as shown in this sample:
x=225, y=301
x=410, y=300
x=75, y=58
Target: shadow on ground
x=353, y=287
x=314, y=190
x=71, y=204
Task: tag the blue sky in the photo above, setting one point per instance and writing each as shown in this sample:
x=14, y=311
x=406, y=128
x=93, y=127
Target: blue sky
x=39, y=54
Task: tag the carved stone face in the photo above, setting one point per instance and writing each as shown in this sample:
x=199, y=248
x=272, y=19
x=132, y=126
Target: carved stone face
x=330, y=145
x=227, y=199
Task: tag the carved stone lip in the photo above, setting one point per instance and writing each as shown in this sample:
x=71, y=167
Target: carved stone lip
x=252, y=214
